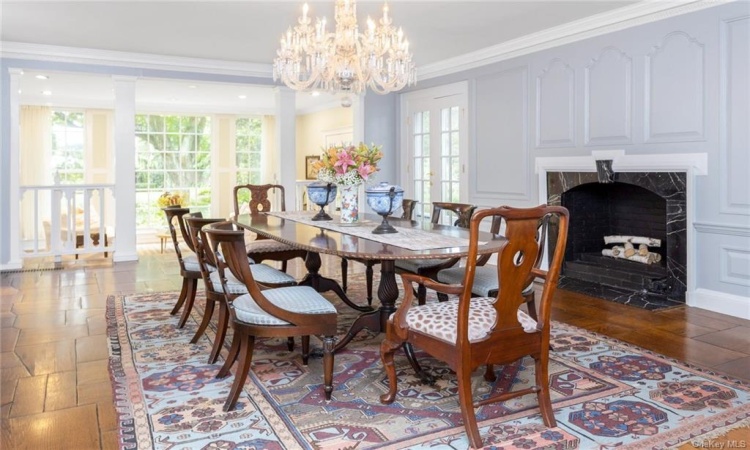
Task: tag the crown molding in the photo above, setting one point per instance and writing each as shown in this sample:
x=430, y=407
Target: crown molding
x=619, y=19
x=53, y=53
x=615, y=20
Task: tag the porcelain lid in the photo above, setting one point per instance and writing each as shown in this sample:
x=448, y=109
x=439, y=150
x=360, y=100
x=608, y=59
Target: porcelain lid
x=383, y=186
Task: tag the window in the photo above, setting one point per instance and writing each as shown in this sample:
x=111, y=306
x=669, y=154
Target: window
x=173, y=153
x=248, y=150
x=67, y=146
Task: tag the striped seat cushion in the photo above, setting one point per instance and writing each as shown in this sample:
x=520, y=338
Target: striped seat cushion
x=300, y=299
x=192, y=265
x=439, y=319
x=413, y=265
x=262, y=273
x=267, y=245
x=485, y=280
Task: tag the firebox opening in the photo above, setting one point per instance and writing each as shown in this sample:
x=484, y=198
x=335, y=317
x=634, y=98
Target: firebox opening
x=598, y=210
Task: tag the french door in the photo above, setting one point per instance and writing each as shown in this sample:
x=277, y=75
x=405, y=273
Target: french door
x=436, y=141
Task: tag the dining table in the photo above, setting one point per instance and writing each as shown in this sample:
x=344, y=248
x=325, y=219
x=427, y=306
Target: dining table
x=415, y=239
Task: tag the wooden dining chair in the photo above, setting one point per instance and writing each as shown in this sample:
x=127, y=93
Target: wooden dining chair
x=215, y=294
x=486, y=283
x=189, y=267
x=257, y=198
x=475, y=331
x=271, y=313
x=460, y=216
x=408, y=211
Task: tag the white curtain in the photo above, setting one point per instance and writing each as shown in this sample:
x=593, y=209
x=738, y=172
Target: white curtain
x=35, y=143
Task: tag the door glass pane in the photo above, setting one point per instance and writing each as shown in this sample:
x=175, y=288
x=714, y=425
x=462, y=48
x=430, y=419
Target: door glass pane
x=445, y=123
x=454, y=118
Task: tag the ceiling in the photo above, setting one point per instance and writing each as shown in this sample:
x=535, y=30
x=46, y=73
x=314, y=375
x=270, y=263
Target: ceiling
x=248, y=32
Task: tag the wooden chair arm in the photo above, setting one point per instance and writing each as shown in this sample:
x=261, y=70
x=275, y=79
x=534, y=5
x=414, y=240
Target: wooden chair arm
x=429, y=283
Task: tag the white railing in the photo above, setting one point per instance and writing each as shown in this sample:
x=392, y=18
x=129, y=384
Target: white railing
x=61, y=220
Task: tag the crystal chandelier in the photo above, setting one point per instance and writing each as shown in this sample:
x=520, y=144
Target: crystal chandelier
x=346, y=60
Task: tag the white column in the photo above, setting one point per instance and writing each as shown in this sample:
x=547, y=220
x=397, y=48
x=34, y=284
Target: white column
x=286, y=131
x=14, y=169
x=124, y=164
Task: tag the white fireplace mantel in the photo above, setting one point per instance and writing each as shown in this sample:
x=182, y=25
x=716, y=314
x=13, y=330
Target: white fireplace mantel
x=693, y=164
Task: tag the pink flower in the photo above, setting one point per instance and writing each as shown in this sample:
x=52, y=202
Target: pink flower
x=344, y=161
x=365, y=170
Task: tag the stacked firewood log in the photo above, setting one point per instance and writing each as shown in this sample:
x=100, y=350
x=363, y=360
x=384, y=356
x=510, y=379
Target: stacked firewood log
x=627, y=249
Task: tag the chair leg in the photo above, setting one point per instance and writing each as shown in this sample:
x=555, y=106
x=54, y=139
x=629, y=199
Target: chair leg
x=465, y=399
x=290, y=343
x=221, y=333
x=305, y=349
x=344, y=273
x=489, y=373
x=328, y=343
x=181, y=298
x=234, y=350
x=542, y=383
x=246, y=356
x=207, y=315
x=387, y=349
x=283, y=266
x=189, y=300
x=531, y=306
x=442, y=297
x=368, y=276
x=421, y=294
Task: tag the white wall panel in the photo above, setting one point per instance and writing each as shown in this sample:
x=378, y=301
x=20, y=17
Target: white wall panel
x=735, y=265
x=674, y=97
x=555, y=106
x=607, y=103
x=502, y=168
x=734, y=112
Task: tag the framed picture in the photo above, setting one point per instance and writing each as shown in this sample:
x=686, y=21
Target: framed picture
x=310, y=172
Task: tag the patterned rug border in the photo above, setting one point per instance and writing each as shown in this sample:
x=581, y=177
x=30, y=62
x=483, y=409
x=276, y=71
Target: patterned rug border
x=124, y=388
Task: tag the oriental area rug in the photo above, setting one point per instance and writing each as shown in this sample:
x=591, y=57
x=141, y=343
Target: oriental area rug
x=605, y=393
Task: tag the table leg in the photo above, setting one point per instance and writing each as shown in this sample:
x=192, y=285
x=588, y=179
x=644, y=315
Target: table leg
x=323, y=284
x=377, y=320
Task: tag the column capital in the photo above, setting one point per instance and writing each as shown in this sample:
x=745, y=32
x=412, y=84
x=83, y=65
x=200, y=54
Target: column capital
x=13, y=71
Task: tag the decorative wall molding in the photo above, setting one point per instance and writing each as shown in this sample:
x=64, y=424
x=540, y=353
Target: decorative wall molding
x=721, y=302
x=733, y=265
x=734, y=94
x=510, y=100
x=618, y=61
x=547, y=111
x=670, y=98
x=723, y=229
x=622, y=18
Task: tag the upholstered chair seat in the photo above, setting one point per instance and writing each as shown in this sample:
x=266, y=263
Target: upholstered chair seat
x=267, y=245
x=415, y=265
x=485, y=280
x=192, y=264
x=300, y=299
x=438, y=319
x=262, y=273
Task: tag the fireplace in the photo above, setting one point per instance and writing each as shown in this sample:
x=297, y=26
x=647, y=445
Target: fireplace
x=606, y=203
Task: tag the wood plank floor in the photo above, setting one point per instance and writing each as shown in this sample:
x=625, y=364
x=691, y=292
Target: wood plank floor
x=55, y=390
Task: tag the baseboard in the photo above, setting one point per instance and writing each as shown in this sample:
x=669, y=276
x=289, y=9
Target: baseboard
x=721, y=302
x=120, y=256
x=11, y=265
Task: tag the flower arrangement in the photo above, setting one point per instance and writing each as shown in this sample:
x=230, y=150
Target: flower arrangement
x=348, y=165
x=170, y=199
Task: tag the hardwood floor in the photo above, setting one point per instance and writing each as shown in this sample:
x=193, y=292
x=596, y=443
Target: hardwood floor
x=55, y=390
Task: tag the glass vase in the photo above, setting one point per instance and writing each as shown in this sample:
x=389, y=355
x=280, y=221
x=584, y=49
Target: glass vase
x=349, y=204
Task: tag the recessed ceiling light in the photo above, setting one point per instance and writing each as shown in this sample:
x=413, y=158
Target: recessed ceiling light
x=315, y=93
x=46, y=92
x=243, y=96
x=19, y=91
x=192, y=86
x=42, y=77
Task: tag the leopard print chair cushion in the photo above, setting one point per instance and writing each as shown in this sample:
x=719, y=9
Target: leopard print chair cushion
x=439, y=319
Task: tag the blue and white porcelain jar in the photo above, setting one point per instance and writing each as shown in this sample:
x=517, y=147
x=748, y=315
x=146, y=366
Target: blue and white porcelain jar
x=379, y=198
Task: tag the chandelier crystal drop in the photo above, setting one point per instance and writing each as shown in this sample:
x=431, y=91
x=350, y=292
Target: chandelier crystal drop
x=345, y=60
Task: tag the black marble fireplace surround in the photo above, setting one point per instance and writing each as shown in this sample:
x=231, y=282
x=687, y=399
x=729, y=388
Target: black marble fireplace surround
x=650, y=204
